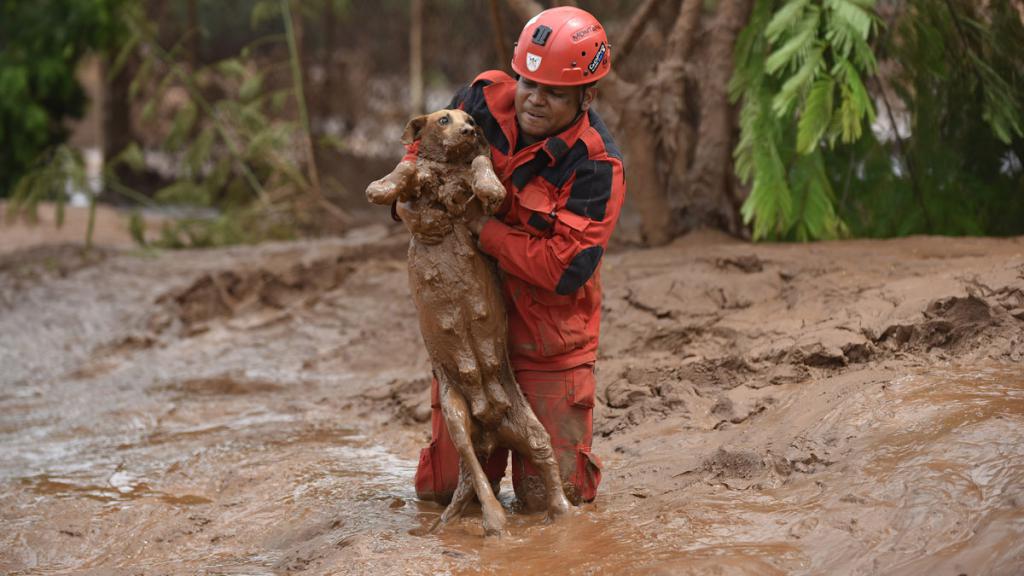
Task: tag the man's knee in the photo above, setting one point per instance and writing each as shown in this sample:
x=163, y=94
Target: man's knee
x=437, y=474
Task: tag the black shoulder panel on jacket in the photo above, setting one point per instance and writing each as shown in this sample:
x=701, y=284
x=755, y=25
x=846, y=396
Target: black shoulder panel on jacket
x=559, y=174
x=609, y=143
x=459, y=98
x=475, y=104
x=591, y=190
x=526, y=172
x=580, y=270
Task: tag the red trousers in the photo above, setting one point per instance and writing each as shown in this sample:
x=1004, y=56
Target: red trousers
x=564, y=403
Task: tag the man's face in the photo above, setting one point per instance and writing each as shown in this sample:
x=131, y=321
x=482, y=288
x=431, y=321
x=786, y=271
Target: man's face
x=544, y=110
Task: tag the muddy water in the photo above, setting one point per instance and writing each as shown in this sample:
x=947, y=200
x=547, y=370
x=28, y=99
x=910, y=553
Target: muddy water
x=919, y=473
x=238, y=475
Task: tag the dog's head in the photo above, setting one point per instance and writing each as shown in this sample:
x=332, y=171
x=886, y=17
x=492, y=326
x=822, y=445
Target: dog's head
x=446, y=136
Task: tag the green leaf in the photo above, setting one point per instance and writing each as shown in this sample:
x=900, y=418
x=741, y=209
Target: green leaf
x=233, y=68
x=137, y=228
x=816, y=116
x=250, y=89
x=791, y=53
x=798, y=84
x=183, y=192
x=851, y=14
x=131, y=156
x=184, y=120
x=785, y=19
x=264, y=11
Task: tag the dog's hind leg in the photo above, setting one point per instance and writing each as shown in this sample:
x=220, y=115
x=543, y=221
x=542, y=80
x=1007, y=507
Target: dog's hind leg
x=527, y=436
x=462, y=497
x=457, y=418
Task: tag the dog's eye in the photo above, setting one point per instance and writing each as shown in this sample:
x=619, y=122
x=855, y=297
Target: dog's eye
x=444, y=120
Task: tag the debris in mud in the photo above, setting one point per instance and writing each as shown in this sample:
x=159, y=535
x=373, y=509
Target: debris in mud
x=408, y=399
x=739, y=405
x=641, y=393
x=224, y=385
x=727, y=300
x=784, y=374
x=947, y=323
x=748, y=263
x=234, y=292
x=633, y=300
x=22, y=269
x=736, y=469
x=734, y=464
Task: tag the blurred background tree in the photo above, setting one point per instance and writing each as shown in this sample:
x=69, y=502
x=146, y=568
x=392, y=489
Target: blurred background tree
x=41, y=44
x=770, y=119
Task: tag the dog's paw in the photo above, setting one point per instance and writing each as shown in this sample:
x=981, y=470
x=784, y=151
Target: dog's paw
x=486, y=184
x=381, y=192
x=494, y=520
x=558, y=506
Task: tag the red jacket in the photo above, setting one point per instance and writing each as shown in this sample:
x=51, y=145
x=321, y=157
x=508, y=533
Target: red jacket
x=565, y=194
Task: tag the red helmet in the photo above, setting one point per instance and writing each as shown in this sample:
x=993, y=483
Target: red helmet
x=562, y=46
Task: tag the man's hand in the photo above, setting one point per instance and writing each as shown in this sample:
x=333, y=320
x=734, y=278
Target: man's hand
x=477, y=224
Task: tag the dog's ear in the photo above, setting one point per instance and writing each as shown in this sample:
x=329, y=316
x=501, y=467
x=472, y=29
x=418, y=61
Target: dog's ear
x=482, y=139
x=413, y=129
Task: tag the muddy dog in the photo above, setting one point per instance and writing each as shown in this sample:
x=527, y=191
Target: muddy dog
x=461, y=311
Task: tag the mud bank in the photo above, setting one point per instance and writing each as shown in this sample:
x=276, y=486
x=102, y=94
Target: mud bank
x=852, y=407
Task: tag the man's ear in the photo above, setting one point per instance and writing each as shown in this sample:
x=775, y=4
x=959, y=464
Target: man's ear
x=413, y=129
x=588, y=97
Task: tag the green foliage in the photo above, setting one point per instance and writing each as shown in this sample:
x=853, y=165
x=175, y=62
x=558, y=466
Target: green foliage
x=799, y=65
x=47, y=182
x=958, y=171
x=953, y=77
x=40, y=46
x=231, y=154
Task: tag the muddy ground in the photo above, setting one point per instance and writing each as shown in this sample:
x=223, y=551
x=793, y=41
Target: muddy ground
x=836, y=408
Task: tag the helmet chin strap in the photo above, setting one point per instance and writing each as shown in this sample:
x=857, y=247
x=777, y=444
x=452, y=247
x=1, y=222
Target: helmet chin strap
x=580, y=110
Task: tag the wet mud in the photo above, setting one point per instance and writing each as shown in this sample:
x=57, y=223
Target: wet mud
x=843, y=408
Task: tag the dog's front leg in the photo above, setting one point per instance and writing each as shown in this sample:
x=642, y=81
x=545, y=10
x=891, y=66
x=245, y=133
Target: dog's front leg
x=400, y=184
x=486, y=184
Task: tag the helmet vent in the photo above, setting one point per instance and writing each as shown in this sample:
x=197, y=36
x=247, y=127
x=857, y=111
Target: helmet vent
x=541, y=34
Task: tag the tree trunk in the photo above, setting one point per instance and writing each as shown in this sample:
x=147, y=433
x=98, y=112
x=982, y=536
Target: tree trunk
x=499, y=36
x=416, y=58
x=329, y=215
x=526, y=9
x=327, y=96
x=117, y=124
x=711, y=198
x=656, y=136
x=633, y=30
x=194, y=36
x=646, y=190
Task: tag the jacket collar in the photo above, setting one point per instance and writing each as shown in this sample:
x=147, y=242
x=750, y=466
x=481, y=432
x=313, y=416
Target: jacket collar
x=558, y=145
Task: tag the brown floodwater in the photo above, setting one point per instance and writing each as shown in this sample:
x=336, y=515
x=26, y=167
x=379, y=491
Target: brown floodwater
x=107, y=477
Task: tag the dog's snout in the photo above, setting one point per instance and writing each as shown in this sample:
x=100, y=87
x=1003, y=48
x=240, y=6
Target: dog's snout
x=466, y=130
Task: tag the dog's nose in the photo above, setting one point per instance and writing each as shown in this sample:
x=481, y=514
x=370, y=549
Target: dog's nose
x=467, y=130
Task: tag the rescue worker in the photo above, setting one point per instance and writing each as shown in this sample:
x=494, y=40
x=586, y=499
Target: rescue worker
x=565, y=183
